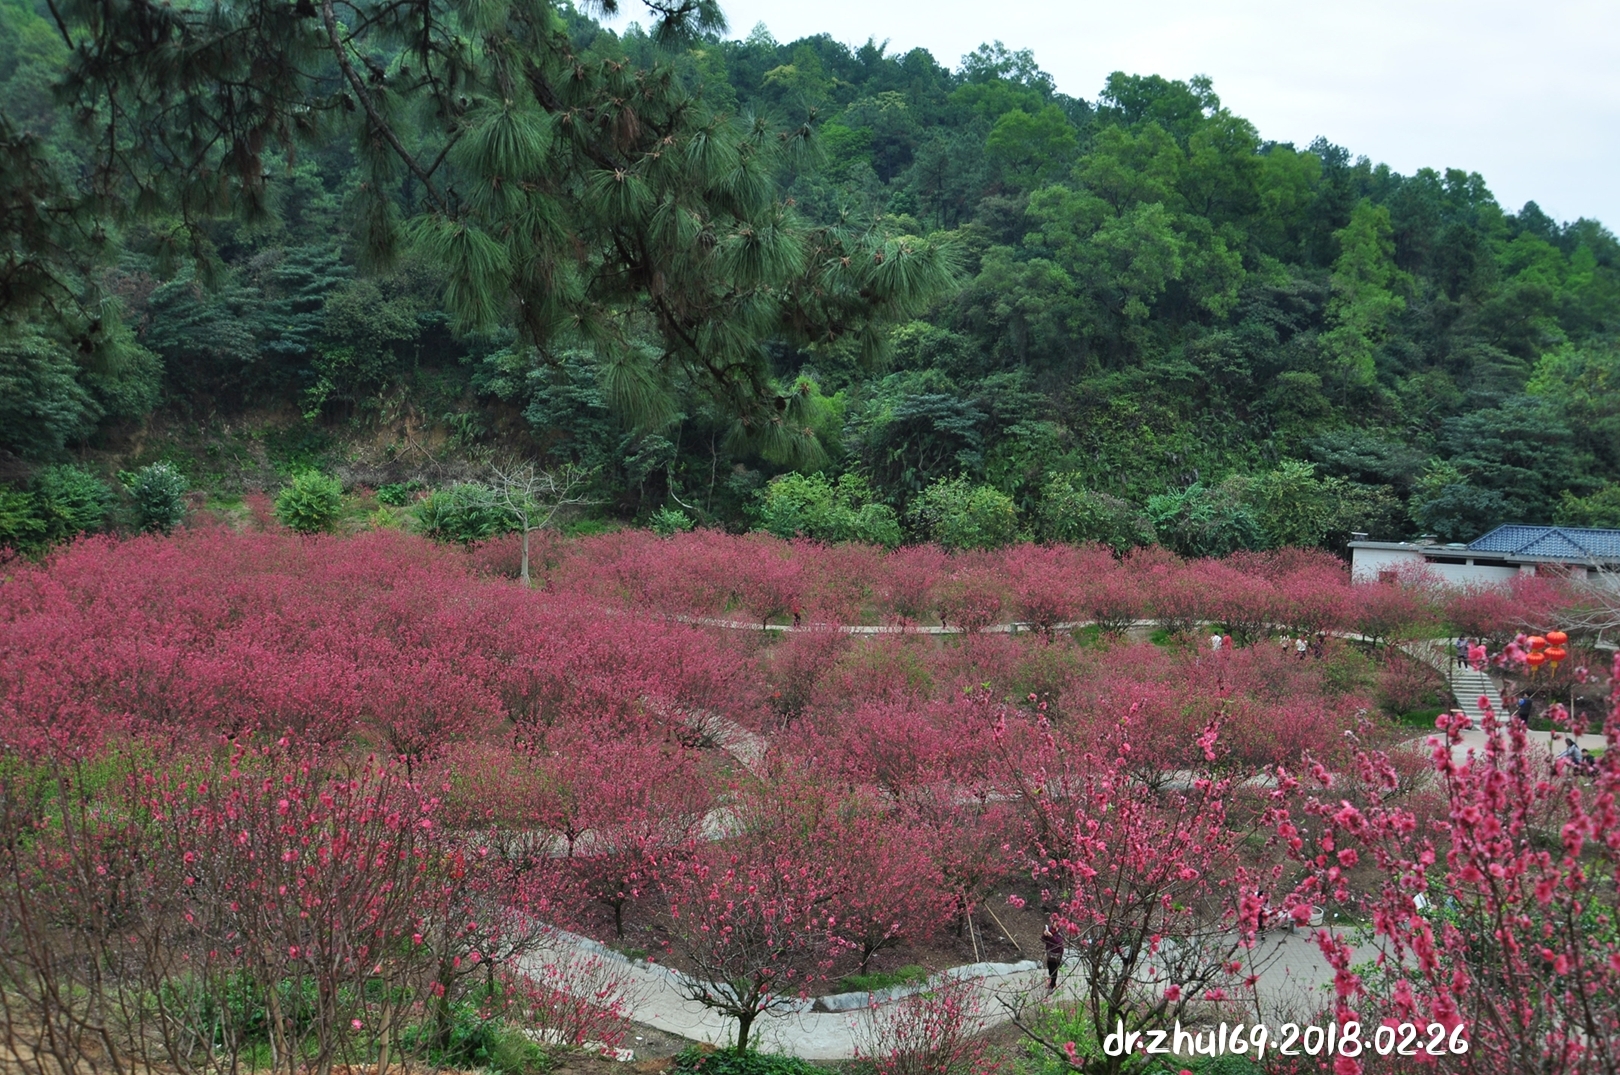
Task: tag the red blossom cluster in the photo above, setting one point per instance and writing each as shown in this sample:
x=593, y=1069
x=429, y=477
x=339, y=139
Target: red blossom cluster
x=1496, y=911
x=381, y=640
x=769, y=809
x=184, y=911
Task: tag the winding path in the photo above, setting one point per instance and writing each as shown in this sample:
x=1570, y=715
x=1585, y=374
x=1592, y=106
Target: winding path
x=1292, y=973
x=1292, y=978
x=1291, y=987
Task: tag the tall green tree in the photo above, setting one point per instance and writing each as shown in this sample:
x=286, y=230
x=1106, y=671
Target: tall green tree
x=1366, y=295
x=574, y=195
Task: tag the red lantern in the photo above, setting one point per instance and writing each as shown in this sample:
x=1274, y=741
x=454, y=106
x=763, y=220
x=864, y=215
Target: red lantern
x=1535, y=660
x=1557, y=638
x=1556, y=654
x=1537, y=643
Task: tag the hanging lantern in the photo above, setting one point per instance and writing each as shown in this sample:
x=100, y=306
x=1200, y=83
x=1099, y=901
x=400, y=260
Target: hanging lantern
x=1535, y=659
x=1556, y=654
x=1557, y=638
x=1536, y=643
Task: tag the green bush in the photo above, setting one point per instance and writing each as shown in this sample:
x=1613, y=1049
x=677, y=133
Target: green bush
x=666, y=521
x=21, y=528
x=960, y=515
x=70, y=501
x=808, y=505
x=310, y=502
x=397, y=494
x=159, y=491
x=730, y=1062
x=465, y=513
x=1206, y=520
x=1076, y=515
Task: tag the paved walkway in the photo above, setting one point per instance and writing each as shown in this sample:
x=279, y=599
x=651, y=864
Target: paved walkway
x=1292, y=975
x=1292, y=987
x=1292, y=980
x=1468, y=685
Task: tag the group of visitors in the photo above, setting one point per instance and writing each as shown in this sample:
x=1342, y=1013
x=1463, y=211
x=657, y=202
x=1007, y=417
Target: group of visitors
x=1575, y=756
x=1578, y=757
x=1302, y=646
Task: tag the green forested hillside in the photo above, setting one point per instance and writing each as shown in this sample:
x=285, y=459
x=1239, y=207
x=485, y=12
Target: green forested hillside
x=957, y=303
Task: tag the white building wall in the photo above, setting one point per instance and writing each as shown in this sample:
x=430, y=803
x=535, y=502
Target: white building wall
x=1474, y=574
x=1365, y=564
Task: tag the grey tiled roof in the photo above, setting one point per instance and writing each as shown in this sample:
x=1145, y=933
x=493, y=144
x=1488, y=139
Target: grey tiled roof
x=1558, y=542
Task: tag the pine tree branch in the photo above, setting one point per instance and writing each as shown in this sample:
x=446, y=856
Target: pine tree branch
x=341, y=54
x=544, y=93
x=61, y=27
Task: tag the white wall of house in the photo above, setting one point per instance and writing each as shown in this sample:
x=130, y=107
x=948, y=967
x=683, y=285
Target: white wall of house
x=1366, y=564
x=1474, y=574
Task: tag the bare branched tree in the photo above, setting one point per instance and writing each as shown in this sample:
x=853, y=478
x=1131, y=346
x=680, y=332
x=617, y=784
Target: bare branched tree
x=1598, y=608
x=535, y=496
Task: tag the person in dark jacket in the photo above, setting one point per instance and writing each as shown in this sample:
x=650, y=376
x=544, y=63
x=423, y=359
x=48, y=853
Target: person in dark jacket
x=1052, y=938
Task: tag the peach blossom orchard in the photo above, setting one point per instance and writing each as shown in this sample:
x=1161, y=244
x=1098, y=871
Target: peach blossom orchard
x=299, y=802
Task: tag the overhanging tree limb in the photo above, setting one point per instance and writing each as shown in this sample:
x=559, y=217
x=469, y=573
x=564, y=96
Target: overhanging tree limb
x=340, y=53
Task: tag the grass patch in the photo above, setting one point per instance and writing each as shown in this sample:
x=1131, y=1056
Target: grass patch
x=590, y=527
x=1090, y=636
x=629, y=951
x=695, y=1061
x=1419, y=718
x=1162, y=638
x=870, y=983
x=473, y=1040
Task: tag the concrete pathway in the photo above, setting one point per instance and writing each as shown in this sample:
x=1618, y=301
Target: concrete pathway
x=1292, y=987
x=1468, y=686
x=888, y=628
x=1292, y=981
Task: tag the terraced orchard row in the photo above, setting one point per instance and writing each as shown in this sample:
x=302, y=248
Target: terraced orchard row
x=297, y=802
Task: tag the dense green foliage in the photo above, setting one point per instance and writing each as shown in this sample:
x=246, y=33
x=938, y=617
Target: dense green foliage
x=61, y=503
x=466, y=512
x=808, y=505
x=959, y=514
x=310, y=502
x=159, y=493
x=694, y=265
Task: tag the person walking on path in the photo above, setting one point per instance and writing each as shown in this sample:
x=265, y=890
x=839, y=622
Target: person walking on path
x=1523, y=709
x=1052, y=938
x=1462, y=653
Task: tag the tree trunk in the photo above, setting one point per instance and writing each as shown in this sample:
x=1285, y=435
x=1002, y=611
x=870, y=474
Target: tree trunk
x=441, y=1008
x=278, y=1041
x=744, y=1021
x=383, y=1032
x=523, y=573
